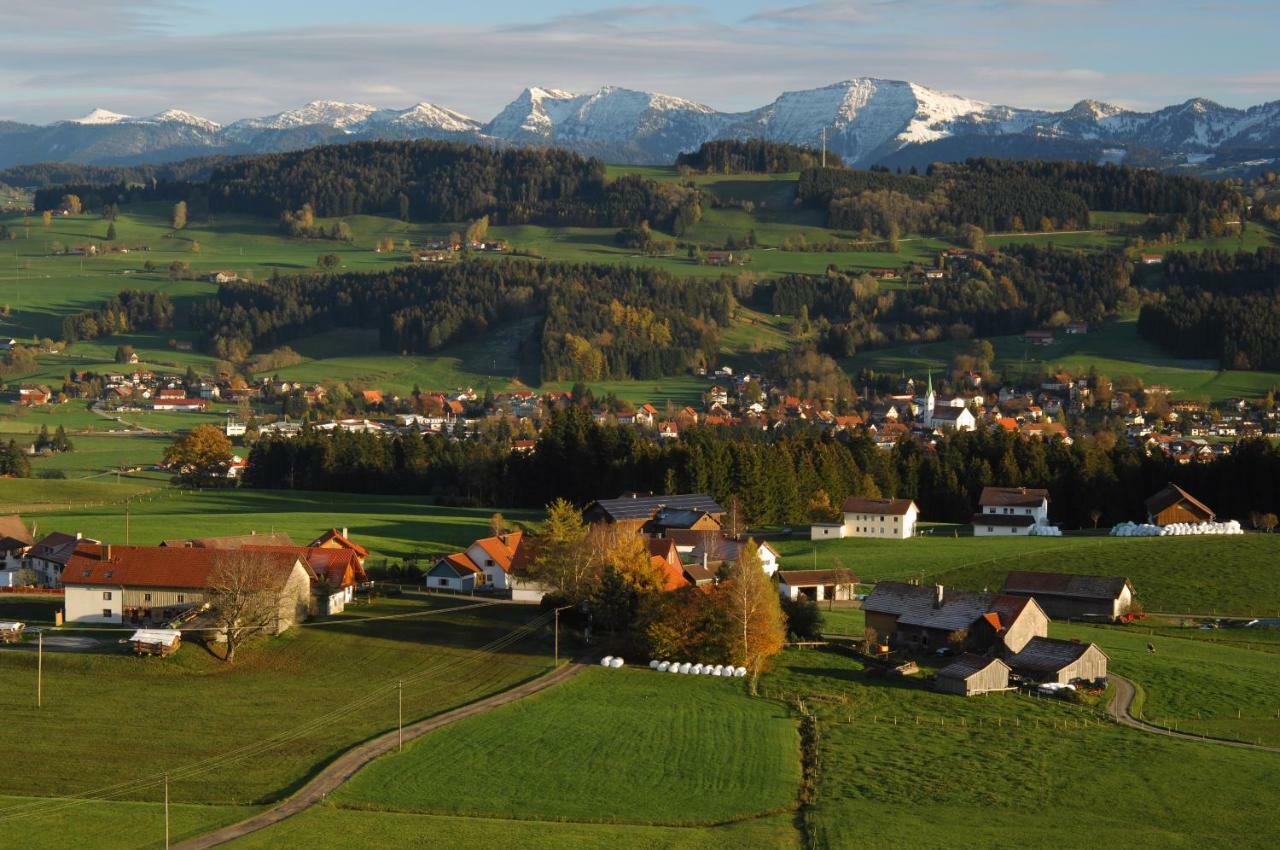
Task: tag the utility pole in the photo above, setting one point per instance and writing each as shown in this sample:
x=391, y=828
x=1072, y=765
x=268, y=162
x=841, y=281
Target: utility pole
x=126, y=523
x=400, y=721
x=166, y=811
x=40, y=669
x=557, y=661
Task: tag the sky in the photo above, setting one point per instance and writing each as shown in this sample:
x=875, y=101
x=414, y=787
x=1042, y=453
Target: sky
x=229, y=59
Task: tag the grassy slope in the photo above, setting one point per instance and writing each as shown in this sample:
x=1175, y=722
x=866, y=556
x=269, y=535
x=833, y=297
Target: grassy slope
x=122, y=719
x=662, y=749
x=113, y=825
x=976, y=784
x=1114, y=349
x=389, y=526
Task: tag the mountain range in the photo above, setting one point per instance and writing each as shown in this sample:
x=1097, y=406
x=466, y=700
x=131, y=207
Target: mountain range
x=867, y=121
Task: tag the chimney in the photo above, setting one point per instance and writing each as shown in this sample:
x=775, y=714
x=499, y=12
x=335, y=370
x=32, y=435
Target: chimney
x=938, y=594
x=78, y=535
x=344, y=531
x=106, y=551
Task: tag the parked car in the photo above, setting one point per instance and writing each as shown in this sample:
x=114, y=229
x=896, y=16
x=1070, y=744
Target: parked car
x=945, y=652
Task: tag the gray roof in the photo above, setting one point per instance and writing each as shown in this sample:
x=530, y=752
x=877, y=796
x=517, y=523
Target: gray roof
x=796, y=578
x=889, y=507
x=1015, y=497
x=966, y=665
x=56, y=548
x=1048, y=655
x=670, y=517
x=914, y=605
x=643, y=506
x=1065, y=584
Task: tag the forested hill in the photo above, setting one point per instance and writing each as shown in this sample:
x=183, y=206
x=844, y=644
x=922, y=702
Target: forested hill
x=1009, y=195
x=600, y=322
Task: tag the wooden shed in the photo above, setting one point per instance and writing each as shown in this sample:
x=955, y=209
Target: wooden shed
x=161, y=642
x=1173, y=504
x=970, y=675
x=10, y=631
x=1062, y=661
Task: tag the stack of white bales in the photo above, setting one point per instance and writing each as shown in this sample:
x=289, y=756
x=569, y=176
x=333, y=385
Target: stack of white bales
x=1177, y=529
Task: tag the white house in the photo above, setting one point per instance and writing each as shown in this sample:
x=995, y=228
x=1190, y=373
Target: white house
x=1010, y=510
x=816, y=585
x=484, y=565
x=951, y=418
x=894, y=519
x=454, y=572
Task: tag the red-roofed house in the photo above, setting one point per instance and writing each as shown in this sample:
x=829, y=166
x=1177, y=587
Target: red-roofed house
x=334, y=539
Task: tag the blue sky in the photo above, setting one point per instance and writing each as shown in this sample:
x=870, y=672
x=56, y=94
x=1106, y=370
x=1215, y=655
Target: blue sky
x=227, y=59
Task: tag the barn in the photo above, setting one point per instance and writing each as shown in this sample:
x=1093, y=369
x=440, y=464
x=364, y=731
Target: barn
x=1173, y=504
x=1065, y=596
x=970, y=675
x=1046, y=659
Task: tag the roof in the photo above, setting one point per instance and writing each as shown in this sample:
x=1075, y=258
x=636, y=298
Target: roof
x=950, y=412
x=673, y=577
x=663, y=547
x=914, y=605
x=155, y=566
x=1014, y=521
x=889, y=507
x=678, y=517
x=56, y=547
x=1065, y=584
x=1048, y=655
x=501, y=549
x=461, y=564
x=335, y=536
x=335, y=567
x=232, y=541
x=14, y=531
x=699, y=573
x=159, y=637
x=644, y=506
x=967, y=665
x=1007, y=609
x=1171, y=495
x=795, y=578
x=1012, y=497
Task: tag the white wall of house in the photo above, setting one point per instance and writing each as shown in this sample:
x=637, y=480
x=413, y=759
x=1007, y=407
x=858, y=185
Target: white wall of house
x=1040, y=512
x=881, y=525
x=980, y=530
x=449, y=581
x=826, y=531
x=768, y=560
x=494, y=575
x=93, y=604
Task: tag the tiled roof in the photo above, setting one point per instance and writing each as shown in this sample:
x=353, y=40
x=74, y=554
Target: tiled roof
x=914, y=605
x=342, y=540
x=501, y=549
x=966, y=665
x=673, y=577
x=889, y=507
x=55, y=547
x=336, y=567
x=639, y=506
x=677, y=517
x=1047, y=655
x=461, y=564
x=156, y=566
x=1065, y=584
x=1012, y=497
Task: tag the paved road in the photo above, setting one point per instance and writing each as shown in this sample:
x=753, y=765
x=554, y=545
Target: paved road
x=346, y=765
x=1122, y=699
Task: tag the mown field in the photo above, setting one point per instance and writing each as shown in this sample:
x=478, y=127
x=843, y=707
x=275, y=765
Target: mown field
x=259, y=726
x=108, y=825
x=972, y=773
x=389, y=526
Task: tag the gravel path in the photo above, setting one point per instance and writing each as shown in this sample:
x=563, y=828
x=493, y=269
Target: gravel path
x=1122, y=699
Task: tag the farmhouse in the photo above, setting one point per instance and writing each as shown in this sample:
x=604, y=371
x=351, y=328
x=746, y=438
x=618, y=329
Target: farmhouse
x=1173, y=504
x=491, y=565
x=970, y=675
x=1038, y=337
x=713, y=549
x=921, y=617
x=15, y=543
x=455, y=572
x=885, y=518
x=179, y=404
x=152, y=584
x=50, y=554
x=224, y=277
x=1010, y=510
x=816, y=585
x=1065, y=596
x=34, y=396
x=640, y=508
x=1046, y=659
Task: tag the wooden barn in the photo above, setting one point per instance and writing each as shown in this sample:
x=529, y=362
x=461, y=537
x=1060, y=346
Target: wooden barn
x=970, y=675
x=914, y=617
x=1065, y=596
x=1046, y=659
x=1173, y=504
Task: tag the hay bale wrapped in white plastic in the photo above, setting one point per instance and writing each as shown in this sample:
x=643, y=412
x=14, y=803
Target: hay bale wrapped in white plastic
x=686, y=667
x=696, y=670
x=740, y=672
x=707, y=668
x=663, y=666
x=653, y=665
x=674, y=668
x=604, y=662
x=616, y=663
x=719, y=671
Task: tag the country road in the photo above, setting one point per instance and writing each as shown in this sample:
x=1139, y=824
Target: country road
x=346, y=765
x=1122, y=699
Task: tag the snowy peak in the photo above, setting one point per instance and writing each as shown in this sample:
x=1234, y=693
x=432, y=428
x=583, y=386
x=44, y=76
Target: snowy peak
x=178, y=116
x=100, y=116
x=424, y=116
x=328, y=113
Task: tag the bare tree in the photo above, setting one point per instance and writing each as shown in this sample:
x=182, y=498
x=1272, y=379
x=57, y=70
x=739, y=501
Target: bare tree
x=497, y=524
x=733, y=519
x=246, y=593
x=1095, y=514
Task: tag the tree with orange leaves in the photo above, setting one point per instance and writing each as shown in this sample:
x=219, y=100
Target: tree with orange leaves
x=754, y=609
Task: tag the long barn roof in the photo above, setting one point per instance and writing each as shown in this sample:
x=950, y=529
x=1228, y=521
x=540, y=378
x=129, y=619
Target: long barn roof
x=644, y=506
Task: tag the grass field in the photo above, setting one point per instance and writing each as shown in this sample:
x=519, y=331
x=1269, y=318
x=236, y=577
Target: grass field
x=975, y=772
x=670, y=750
x=389, y=526
x=1115, y=350
x=135, y=718
x=109, y=825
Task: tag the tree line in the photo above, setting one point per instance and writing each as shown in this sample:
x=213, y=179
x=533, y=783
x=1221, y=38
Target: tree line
x=128, y=311
x=794, y=476
x=753, y=156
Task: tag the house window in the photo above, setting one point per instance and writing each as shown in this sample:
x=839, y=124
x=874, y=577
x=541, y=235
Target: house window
x=106, y=596
x=106, y=612
x=146, y=597
x=182, y=597
x=990, y=529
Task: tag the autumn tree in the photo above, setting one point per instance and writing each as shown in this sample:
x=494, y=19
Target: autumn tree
x=72, y=204
x=179, y=219
x=246, y=595
x=560, y=562
x=497, y=524
x=46, y=218
x=478, y=229
x=201, y=456
x=751, y=602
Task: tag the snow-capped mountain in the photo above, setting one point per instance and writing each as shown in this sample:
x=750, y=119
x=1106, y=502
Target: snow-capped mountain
x=867, y=121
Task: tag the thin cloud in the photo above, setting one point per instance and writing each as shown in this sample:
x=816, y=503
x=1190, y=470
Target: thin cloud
x=808, y=14
x=610, y=17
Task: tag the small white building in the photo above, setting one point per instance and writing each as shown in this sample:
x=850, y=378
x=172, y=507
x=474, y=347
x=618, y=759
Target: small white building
x=816, y=585
x=893, y=519
x=1005, y=511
